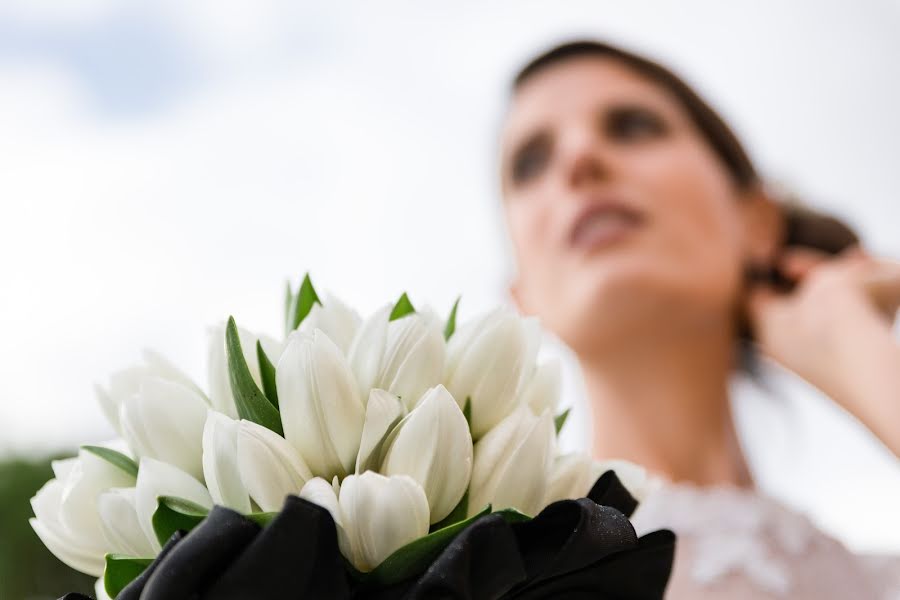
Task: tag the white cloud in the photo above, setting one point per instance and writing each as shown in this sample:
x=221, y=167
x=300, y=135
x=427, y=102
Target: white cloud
x=68, y=13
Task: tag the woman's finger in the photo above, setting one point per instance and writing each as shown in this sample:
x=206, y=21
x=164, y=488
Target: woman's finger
x=882, y=284
x=796, y=262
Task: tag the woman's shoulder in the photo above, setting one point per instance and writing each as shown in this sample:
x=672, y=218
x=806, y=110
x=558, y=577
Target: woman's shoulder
x=740, y=544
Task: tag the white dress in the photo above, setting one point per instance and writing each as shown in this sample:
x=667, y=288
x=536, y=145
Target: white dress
x=740, y=545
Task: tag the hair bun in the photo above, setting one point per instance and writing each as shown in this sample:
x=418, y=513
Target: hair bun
x=811, y=229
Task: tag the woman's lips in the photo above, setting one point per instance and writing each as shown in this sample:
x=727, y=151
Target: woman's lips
x=602, y=224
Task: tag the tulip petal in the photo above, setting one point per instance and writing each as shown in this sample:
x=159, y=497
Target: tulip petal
x=542, y=390
x=486, y=361
x=634, y=477
x=269, y=466
x=70, y=549
x=383, y=411
x=127, y=382
x=434, y=447
x=322, y=413
x=512, y=463
x=89, y=476
x=367, y=348
x=100, y=590
x=160, y=366
x=318, y=491
x=108, y=405
x=381, y=514
x=413, y=359
x=339, y=322
x=155, y=479
x=164, y=420
x=63, y=467
x=220, y=463
x=571, y=477
x=121, y=527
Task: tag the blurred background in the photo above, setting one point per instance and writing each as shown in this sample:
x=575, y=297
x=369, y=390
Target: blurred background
x=164, y=164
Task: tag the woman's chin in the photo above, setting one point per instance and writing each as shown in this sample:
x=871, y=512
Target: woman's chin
x=627, y=305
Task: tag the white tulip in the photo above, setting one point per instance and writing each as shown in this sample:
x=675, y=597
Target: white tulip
x=318, y=491
x=164, y=419
x=217, y=365
x=66, y=514
x=634, y=477
x=220, y=463
x=542, y=389
x=156, y=478
x=269, y=467
x=100, y=590
x=433, y=446
x=488, y=361
x=381, y=514
x=321, y=410
x=80, y=553
x=571, y=476
x=339, y=322
x=404, y=356
x=127, y=382
x=123, y=531
x=375, y=515
x=512, y=463
x=383, y=411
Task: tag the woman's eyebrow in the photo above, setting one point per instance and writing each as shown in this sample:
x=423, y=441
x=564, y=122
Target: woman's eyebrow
x=618, y=107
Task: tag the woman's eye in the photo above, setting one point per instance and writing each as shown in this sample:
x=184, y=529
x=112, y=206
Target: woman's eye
x=530, y=161
x=630, y=124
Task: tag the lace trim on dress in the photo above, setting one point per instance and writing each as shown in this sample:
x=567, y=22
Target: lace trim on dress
x=735, y=532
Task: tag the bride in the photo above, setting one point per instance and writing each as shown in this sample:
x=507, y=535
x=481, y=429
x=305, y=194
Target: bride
x=645, y=239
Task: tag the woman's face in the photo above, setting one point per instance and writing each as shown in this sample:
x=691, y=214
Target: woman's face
x=621, y=216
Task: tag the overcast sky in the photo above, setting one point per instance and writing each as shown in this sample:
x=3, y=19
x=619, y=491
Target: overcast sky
x=164, y=164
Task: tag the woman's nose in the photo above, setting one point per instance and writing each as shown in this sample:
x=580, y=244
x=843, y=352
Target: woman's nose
x=587, y=162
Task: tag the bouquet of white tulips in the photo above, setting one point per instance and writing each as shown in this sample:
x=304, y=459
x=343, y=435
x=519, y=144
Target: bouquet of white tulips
x=404, y=427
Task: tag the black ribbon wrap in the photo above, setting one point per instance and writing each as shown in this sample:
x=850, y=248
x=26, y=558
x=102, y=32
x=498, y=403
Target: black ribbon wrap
x=574, y=549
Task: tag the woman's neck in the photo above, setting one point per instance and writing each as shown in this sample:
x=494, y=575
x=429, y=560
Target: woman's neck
x=665, y=406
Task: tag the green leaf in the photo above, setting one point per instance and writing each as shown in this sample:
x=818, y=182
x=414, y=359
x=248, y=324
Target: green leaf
x=174, y=513
x=511, y=515
x=450, y=327
x=267, y=374
x=121, y=570
x=251, y=403
x=414, y=557
x=304, y=301
x=262, y=519
x=114, y=458
x=288, y=305
x=456, y=515
x=402, y=308
x=467, y=411
x=560, y=419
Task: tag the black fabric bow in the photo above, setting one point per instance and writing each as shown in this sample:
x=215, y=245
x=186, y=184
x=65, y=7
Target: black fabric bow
x=574, y=549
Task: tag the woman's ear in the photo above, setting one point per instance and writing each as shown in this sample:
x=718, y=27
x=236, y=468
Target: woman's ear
x=764, y=227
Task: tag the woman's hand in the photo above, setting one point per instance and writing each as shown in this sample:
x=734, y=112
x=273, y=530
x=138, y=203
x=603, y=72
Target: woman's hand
x=834, y=330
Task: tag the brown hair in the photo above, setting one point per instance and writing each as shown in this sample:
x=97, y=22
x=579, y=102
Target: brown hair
x=802, y=226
